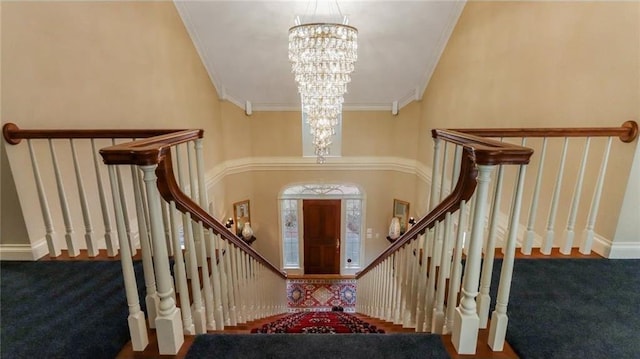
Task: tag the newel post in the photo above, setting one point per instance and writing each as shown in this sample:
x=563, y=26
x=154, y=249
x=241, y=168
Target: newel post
x=466, y=321
x=168, y=319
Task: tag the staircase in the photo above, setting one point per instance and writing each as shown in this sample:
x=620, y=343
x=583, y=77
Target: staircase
x=199, y=277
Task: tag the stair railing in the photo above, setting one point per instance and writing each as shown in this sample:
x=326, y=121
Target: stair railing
x=217, y=279
x=421, y=274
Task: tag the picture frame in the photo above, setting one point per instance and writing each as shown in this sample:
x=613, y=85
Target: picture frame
x=241, y=215
x=401, y=210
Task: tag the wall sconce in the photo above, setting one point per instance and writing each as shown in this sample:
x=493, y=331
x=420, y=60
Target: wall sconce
x=229, y=223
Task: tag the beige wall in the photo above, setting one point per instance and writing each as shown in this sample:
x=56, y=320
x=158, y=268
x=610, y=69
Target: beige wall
x=543, y=64
x=274, y=138
x=99, y=65
x=380, y=188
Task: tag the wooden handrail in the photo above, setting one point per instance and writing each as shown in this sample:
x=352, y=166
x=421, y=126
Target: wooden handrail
x=627, y=132
x=148, y=151
x=487, y=151
x=13, y=134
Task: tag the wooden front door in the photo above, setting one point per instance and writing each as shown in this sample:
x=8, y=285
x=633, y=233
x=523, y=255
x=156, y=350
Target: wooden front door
x=321, y=236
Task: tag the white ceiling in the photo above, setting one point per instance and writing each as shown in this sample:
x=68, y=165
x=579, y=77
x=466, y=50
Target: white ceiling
x=243, y=45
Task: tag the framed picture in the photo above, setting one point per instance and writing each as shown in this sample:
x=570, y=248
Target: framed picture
x=401, y=210
x=241, y=215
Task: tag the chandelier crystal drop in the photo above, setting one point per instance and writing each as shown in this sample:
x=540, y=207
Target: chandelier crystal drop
x=322, y=59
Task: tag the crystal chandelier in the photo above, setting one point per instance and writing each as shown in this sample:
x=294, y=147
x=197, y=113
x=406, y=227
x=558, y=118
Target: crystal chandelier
x=322, y=56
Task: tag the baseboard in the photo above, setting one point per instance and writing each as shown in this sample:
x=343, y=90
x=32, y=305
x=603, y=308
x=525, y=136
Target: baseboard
x=617, y=250
x=23, y=252
x=601, y=245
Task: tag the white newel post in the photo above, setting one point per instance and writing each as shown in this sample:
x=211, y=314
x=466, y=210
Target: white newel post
x=168, y=321
x=137, y=326
x=466, y=321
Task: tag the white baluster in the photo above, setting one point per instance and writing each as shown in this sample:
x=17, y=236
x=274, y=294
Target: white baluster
x=214, y=315
x=72, y=248
x=466, y=321
x=244, y=290
x=226, y=256
x=587, y=241
x=199, y=240
x=217, y=256
x=437, y=314
x=499, y=319
x=168, y=320
x=422, y=285
x=549, y=239
x=111, y=249
x=137, y=326
x=470, y=215
x=54, y=249
x=456, y=271
x=388, y=287
x=125, y=210
x=412, y=284
x=399, y=293
x=237, y=275
x=577, y=193
x=167, y=226
x=235, y=280
x=214, y=279
x=151, y=299
x=92, y=246
x=434, y=198
x=530, y=234
x=405, y=267
x=431, y=276
x=251, y=279
x=455, y=173
x=484, y=300
x=180, y=273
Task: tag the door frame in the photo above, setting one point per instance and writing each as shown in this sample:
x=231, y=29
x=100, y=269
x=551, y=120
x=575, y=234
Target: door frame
x=343, y=197
x=335, y=203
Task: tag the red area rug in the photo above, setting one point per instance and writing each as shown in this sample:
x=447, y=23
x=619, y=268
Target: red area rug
x=318, y=322
x=321, y=294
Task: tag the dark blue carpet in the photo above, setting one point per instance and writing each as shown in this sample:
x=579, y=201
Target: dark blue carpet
x=317, y=346
x=63, y=309
x=574, y=308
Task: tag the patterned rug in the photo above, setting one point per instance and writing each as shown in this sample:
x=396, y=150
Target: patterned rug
x=305, y=295
x=318, y=323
